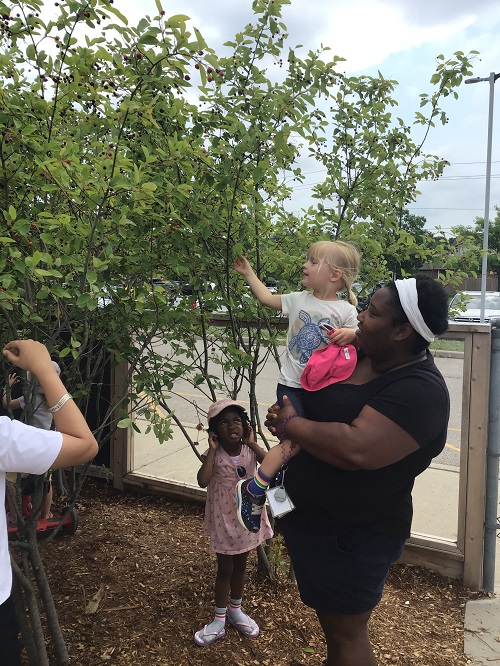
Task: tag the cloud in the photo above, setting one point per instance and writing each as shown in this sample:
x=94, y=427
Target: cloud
x=401, y=38
x=434, y=12
x=366, y=32
x=217, y=21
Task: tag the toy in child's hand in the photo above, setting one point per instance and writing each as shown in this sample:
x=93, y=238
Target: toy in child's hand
x=328, y=328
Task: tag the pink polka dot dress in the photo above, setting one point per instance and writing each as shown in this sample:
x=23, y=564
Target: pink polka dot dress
x=227, y=536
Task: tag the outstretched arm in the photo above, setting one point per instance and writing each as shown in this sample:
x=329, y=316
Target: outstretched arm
x=259, y=289
x=79, y=445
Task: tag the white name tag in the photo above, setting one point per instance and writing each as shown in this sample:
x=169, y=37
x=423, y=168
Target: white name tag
x=279, y=501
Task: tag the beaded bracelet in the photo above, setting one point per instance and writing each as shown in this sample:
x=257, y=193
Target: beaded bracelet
x=60, y=403
x=282, y=435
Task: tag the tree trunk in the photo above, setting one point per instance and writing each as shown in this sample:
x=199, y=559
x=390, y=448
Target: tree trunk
x=28, y=566
x=28, y=616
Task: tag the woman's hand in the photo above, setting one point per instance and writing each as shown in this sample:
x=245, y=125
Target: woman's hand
x=276, y=416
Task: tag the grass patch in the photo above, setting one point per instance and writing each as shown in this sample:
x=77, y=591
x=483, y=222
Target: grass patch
x=448, y=345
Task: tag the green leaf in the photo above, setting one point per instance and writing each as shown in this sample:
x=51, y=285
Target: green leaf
x=83, y=300
x=148, y=39
x=177, y=19
x=113, y=10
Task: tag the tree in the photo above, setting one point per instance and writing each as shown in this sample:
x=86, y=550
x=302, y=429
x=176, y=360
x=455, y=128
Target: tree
x=410, y=229
x=374, y=164
x=111, y=178
x=474, y=239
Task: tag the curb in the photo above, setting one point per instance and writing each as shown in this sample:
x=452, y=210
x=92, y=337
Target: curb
x=446, y=354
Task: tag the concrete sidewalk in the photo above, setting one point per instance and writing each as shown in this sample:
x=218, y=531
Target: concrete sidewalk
x=435, y=513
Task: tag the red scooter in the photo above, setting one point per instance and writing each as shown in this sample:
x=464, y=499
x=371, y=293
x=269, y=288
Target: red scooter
x=69, y=524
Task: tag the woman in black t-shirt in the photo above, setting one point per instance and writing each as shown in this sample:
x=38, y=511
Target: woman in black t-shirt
x=363, y=443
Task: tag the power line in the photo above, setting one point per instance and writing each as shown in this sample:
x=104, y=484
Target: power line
x=443, y=208
x=308, y=173
x=305, y=186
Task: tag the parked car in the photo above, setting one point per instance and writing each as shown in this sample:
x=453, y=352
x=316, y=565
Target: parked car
x=363, y=298
x=272, y=285
x=189, y=290
x=472, y=302
x=166, y=286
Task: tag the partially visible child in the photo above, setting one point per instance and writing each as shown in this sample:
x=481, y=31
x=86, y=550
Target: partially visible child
x=331, y=267
x=42, y=418
x=232, y=455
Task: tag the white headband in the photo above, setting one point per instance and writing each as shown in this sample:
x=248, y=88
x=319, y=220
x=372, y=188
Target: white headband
x=407, y=290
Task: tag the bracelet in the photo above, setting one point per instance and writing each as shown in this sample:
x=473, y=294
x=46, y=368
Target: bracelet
x=282, y=435
x=60, y=403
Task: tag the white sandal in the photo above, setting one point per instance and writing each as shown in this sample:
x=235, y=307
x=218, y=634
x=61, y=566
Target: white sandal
x=202, y=638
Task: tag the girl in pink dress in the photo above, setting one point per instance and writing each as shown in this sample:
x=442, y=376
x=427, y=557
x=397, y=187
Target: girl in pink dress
x=232, y=455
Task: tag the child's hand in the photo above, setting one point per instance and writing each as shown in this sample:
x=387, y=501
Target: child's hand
x=343, y=336
x=249, y=440
x=213, y=442
x=13, y=379
x=242, y=266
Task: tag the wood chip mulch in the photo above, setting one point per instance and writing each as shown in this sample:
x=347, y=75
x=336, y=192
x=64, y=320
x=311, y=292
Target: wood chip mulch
x=136, y=581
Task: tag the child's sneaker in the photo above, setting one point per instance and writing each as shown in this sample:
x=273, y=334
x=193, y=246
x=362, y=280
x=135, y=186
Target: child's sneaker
x=249, y=506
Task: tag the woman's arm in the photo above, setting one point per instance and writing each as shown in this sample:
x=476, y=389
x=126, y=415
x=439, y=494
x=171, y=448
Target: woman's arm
x=371, y=441
x=79, y=445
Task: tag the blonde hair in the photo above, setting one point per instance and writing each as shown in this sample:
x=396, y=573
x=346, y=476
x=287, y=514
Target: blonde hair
x=339, y=256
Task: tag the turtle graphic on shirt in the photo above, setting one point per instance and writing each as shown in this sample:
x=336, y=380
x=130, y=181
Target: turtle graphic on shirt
x=308, y=338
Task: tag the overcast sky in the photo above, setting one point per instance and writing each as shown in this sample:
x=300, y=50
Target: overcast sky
x=401, y=38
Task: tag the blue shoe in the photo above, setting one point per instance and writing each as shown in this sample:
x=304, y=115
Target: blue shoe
x=249, y=507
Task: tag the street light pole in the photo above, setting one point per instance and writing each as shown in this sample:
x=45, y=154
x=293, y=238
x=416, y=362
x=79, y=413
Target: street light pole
x=491, y=78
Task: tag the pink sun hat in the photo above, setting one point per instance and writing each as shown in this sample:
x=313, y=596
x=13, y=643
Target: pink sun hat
x=329, y=365
x=217, y=407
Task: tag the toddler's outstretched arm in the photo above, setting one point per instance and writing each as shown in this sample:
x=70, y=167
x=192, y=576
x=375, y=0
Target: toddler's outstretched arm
x=259, y=289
